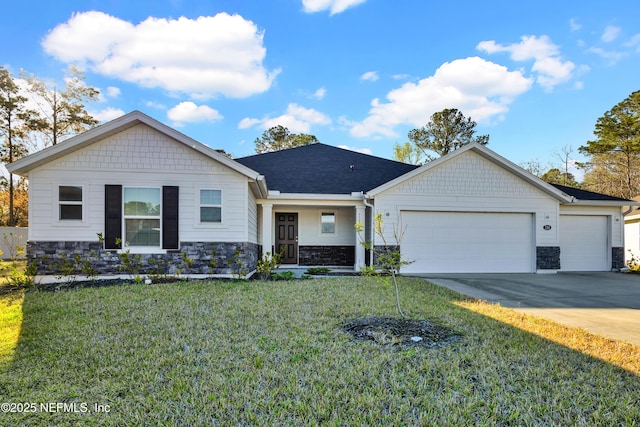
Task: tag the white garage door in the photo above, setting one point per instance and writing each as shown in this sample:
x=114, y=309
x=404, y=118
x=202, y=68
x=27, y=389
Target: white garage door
x=464, y=242
x=584, y=243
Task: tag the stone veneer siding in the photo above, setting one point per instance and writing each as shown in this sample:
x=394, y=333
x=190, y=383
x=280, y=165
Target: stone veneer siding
x=381, y=249
x=327, y=255
x=77, y=258
x=548, y=258
x=617, y=258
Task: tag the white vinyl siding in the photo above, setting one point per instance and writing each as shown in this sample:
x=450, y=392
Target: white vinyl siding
x=141, y=157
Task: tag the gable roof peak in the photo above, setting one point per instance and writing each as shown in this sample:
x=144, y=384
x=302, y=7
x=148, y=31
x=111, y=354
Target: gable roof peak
x=115, y=126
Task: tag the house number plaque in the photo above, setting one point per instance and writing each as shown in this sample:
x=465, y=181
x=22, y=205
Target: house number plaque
x=547, y=227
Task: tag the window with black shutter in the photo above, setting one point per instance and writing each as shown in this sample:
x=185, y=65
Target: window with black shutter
x=139, y=217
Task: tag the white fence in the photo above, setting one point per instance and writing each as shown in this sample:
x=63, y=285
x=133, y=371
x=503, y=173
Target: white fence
x=13, y=242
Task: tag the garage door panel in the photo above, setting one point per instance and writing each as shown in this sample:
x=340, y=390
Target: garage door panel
x=444, y=242
x=584, y=243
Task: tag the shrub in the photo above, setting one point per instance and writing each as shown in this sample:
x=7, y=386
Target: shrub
x=318, y=270
x=268, y=263
x=633, y=263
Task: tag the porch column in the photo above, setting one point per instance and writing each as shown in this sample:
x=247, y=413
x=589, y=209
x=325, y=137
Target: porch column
x=267, y=227
x=360, y=237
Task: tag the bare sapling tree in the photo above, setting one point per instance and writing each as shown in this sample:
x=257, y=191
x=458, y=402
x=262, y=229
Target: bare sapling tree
x=388, y=258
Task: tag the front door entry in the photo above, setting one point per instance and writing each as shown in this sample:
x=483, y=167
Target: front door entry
x=287, y=237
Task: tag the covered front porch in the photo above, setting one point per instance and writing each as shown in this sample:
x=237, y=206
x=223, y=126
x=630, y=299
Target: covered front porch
x=311, y=231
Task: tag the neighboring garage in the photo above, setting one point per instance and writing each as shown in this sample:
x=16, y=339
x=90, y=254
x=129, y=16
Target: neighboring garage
x=479, y=242
x=584, y=243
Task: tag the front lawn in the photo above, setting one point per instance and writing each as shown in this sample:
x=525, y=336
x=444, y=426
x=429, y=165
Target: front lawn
x=9, y=270
x=256, y=353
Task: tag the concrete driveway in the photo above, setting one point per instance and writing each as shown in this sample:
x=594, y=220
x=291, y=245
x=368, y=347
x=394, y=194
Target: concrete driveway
x=606, y=304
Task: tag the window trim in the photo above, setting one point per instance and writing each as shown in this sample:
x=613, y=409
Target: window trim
x=60, y=203
x=141, y=248
x=334, y=222
x=199, y=205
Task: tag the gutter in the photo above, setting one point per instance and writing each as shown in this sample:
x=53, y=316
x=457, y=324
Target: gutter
x=372, y=227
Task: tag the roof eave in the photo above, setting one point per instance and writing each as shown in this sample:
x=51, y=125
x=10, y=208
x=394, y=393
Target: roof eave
x=609, y=203
x=292, y=197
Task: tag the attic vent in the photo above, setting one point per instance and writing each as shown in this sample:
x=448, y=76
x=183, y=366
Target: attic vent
x=352, y=168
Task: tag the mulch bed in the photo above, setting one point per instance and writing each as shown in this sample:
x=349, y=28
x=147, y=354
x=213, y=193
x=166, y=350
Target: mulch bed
x=388, y=331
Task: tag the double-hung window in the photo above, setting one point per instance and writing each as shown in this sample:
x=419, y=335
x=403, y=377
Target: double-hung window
x=210, y=206
x=70, y=202
x=142, y=216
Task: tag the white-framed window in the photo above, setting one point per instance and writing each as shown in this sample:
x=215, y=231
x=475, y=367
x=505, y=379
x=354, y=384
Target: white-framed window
x=70, y=199
x=142, y=216
x=210, y=206
x=328, y=223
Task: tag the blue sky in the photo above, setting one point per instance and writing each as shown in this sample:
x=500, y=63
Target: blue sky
x=355, y=73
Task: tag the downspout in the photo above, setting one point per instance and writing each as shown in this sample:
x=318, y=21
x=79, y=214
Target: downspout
x=371, y=227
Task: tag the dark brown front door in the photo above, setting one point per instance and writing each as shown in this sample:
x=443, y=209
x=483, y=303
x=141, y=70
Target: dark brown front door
x=287, y=237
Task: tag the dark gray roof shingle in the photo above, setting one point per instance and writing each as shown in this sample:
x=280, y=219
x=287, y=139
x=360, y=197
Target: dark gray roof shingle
x=324, y=169
x=586, y=195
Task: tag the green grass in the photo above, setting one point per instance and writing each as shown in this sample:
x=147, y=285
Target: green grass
x=9, y=267
x=255, y=353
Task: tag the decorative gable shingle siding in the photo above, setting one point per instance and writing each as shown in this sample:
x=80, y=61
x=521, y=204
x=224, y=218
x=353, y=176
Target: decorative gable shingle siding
x=141, y=156
x=472, y=183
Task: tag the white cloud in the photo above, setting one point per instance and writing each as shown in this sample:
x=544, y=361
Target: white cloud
x=530, y=47
x=248, y=122
x=297, y=119
x=480, y=89
x=320, y=93
x=357, y=150
x=202, y=57
x=113, y=92
x=189, y=112
x=611, y=56
x=107, y=114
x=550, y=68
x=156, y=105
x=400, y=76
x=574, y=25
x=370, y=76
x=334, y=6
x=634, y=42
x=610, y=34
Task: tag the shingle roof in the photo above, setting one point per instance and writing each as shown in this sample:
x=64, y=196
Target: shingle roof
x=323, y=169
x=586, y=195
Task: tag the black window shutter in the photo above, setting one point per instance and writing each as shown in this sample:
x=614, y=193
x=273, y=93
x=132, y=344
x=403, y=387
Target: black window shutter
x=112, y=216
x=170, y=217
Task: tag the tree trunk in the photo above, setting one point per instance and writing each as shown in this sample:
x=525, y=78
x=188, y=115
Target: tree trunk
x=12, y=219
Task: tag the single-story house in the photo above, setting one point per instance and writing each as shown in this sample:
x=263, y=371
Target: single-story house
x=135, y=188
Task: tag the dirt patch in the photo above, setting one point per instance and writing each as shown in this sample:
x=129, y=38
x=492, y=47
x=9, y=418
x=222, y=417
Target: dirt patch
x=390, y=331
